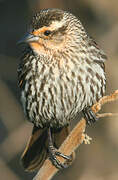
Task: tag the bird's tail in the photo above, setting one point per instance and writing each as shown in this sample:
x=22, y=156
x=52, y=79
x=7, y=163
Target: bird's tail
x=36, y=151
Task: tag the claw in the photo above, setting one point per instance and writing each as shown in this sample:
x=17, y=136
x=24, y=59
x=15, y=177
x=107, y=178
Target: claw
x=89, y=116
x=69, y=158
x=53, y=153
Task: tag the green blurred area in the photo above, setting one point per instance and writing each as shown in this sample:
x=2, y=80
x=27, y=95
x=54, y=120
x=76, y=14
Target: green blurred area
x=98, y=161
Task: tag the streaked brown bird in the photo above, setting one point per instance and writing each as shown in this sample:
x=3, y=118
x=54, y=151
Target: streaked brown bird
x=61, y=73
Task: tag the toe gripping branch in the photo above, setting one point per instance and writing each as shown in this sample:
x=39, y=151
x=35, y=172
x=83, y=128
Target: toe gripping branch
x=53, y=153
x=90, y=116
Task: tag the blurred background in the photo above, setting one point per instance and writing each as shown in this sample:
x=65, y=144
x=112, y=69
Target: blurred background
x=98, y=161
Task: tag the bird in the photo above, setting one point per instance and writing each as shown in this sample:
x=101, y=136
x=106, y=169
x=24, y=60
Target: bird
x=60, y=74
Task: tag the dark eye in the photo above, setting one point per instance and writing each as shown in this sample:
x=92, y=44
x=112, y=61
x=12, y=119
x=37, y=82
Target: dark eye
x=47, y=33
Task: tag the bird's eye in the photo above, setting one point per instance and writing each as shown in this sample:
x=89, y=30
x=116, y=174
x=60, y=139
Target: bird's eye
x=47, y=32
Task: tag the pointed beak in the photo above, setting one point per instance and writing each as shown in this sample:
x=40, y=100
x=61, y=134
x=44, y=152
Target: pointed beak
x=28, y=38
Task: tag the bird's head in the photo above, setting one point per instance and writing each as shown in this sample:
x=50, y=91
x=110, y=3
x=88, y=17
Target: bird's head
x=52, y=30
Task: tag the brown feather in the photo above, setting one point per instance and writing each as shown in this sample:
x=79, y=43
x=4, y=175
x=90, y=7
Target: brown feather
x=35, y=152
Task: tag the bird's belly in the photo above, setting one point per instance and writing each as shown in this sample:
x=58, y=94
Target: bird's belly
x=53, y=105
x=55, y=101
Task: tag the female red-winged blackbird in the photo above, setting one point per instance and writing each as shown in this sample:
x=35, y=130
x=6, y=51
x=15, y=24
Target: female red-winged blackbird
x=61, y=73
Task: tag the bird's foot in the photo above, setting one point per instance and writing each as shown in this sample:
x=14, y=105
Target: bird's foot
x=90, y=116
x=53, y=153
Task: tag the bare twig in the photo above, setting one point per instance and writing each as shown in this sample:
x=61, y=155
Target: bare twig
x=74, y=139
x=107, y=115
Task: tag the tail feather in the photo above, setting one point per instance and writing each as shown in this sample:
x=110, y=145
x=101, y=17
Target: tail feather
x=36, y=151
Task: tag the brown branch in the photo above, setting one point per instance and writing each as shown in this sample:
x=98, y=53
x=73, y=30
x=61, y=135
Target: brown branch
x=97, y=107
x=107, y=115
x=75, y=138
